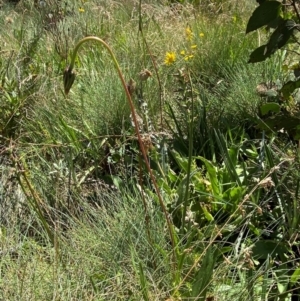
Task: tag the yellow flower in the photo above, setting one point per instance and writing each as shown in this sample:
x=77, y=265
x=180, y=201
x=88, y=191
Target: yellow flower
x=194, y=46
x=170, y=58
x=234, y=18
x=188, y=57
x=182, y=52
x=201, y=34
x=189, y=34
x=81, y=9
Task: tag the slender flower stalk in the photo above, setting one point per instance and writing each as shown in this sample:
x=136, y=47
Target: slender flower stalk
x=69, y=77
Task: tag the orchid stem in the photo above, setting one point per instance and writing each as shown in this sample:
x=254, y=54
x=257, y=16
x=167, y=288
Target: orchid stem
x=69, y=77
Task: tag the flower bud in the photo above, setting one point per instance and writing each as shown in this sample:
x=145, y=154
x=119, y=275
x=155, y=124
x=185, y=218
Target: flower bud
x=131, y=86
x=69, y=77
x=144, y=74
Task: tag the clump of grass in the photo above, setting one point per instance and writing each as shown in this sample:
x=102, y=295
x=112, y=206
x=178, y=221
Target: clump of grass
x=93, y=260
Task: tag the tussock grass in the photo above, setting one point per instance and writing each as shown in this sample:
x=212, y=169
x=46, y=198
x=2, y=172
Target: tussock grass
x=95, y=259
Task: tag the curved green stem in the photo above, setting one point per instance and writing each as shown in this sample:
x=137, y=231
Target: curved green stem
x=69, y=77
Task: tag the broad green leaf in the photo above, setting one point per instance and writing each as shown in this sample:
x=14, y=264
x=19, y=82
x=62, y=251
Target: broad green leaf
x=281, y=287
x=259, y=54
x=234, y=195
x=207, y=215
x=117, y=181
x=263, y=15
x=270, y=107
x=172, y=176
x=252, y=153
x=278, y=39
x=255, y=230
x=212, y=174
x=233, y=153
x=295, y=277
x=282, y=120
x=180, y=160
x=280, y=36
x=275, y=23
x=202, y=210
x=264, y=248
x=289, y=87
x=204, y=274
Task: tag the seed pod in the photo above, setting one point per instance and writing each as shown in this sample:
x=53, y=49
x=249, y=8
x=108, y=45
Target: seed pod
x=144, y=74
x=69, y=77
x=131, y=86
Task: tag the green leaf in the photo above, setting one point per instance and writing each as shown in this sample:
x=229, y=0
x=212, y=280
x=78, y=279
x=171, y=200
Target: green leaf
x=295, y=277
x=282, y=120
x=270, y=107
x=263, y=249
x=259, y=54
x=274, y=23
x=207, y=215
x=280, y=36
x=212, y=174
x=204, y=274
x=263, y=15
x=281, y=287
x=278, y=39
x=289, y=87
x=180, y=160
x=234, y=195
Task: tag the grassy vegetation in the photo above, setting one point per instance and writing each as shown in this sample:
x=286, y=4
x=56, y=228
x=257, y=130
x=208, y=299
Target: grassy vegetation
x=80, y=216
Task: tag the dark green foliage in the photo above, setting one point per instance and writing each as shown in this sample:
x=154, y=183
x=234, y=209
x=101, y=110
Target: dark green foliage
x=259, y=54
x=263, y=15
x=277, y=40
x=284, y=29
x=280, y=112
x=280, y=36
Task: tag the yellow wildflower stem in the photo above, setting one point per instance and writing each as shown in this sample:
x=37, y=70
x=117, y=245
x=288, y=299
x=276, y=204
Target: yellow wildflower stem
x=69, y=77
